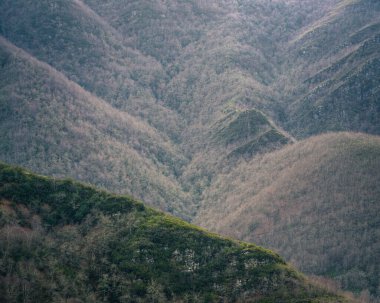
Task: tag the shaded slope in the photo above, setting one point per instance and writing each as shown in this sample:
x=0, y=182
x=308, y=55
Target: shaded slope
x=53, y=126
x=315, y=202
x=72, y=38
x=240, y=133
x=248, y=132
x=160, y=29
x=61, y=240
x=334, y=66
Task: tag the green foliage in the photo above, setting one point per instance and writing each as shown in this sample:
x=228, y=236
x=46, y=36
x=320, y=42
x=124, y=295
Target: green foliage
x=88, y=245
x=240, y=125
x=59, y=201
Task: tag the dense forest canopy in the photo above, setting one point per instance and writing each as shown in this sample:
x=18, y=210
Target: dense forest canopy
x=225, y=113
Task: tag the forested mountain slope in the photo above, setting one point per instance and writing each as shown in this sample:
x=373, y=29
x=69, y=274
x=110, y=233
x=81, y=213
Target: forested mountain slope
x=172, y=100
x=65, y=242
x=51, y=124
x=199, y=71
x=73, y=39
x=334, y=67
x=315, y=202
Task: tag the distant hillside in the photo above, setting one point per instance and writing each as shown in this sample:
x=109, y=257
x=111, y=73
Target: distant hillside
x=196, y=71
x=63, y=241
x=332, y=68
x=52, y=125
x=240, y=133
x=315, y=202
x=72, y=38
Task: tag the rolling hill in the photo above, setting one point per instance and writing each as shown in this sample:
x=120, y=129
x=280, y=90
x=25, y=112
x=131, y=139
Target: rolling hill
x=64, y=241
x=315, y=202
x=51, y=124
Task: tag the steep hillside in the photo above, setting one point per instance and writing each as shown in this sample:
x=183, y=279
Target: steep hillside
x=72, y=38
x=52, y=125
x=160, y=29
x=184, y=67
x=332, y=72
x=315, y=202
x=308, y=66
x=311, y=66
x=167, y=100
x=104, y=47
x=65, y=242
x=240, y=133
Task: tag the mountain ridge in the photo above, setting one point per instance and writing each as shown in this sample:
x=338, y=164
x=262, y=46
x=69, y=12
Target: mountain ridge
x=174, y=95
x=86, y=238
x=315, y=202
x=75, y=115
